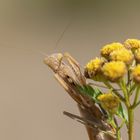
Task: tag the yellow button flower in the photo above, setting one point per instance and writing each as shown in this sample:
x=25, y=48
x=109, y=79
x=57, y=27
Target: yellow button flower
x=137, y=55
x=122, y=55
x=94, y=64
x=107, y=49
x=109, y=102
x=132, y=44
x=136, y=74
x=114, y=70
x=93, y=67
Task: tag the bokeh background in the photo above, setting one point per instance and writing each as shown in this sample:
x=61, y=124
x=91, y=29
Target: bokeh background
x=31, y=101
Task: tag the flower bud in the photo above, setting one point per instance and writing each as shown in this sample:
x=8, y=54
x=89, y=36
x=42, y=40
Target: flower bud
x=114, y=70
x=122, y=55
x=109, y=102
x=137, y=55
x=107, y=49
x=136, y=74
x=93, y=68
x=132, y=44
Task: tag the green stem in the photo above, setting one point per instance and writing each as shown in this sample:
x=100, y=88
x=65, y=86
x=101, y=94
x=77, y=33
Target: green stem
x=118, y=134
x=128, y=76
x=134, y=106
x=112, y=88
x=125, y=92
x=130, y=111
x=132, y=89
x=131, y=124
x=114, y=125
x=136, y=96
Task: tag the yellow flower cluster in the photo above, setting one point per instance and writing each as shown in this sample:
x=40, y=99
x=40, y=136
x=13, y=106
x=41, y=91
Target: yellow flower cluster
x=94, y=67
x=95, y=64
x=122, y=55
x=116, y=59
x=114, y=70
x=109, y=102
x=137, y=55
x=132, y=44
x=107, y=49
x=136, y=74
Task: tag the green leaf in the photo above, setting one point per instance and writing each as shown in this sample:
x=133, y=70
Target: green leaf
x=122, y=113
x=90, y=91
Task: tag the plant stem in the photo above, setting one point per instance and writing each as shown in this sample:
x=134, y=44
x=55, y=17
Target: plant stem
x=136, y=96
x=133, y=87
x=111, y=87
x=118, y=134
x=138, y=103
x=130, y=111
x=131, y=124
x=125, y=92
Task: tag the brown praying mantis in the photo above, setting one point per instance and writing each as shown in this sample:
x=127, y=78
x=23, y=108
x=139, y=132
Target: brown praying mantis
x=68, y=73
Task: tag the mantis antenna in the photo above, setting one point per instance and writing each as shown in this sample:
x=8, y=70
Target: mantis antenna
x=62, y=35
x=39, y=51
